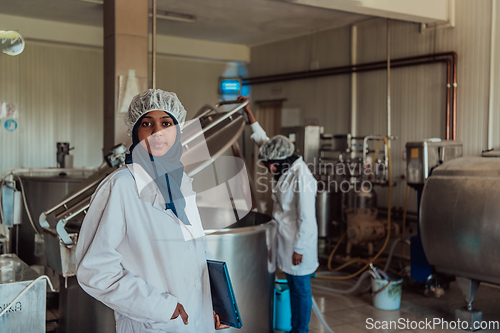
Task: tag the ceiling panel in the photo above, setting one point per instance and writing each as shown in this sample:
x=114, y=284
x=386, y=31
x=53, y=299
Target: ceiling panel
x=247, y=22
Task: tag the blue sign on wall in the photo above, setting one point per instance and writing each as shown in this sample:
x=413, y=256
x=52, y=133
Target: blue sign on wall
x=230, y=86
x=10, y=125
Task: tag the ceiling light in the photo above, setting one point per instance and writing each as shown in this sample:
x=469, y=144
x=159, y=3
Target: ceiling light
x=161, y=14
x=173, y=16
x=97, y=2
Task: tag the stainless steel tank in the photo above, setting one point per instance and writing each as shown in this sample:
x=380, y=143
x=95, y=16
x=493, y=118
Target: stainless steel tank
x=42, y=189
x=328, y=210
x=249, y=249
x=460, y=212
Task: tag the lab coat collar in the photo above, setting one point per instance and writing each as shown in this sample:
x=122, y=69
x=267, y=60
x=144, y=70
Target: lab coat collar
x=143, y=179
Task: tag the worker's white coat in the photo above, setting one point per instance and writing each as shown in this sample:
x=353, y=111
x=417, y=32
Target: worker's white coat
x=294, y=208
x=140, y=260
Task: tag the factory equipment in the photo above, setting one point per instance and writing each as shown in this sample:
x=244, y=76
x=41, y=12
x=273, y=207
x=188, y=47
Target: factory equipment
x=346, y=168
x=422, y=159
x=27, y=312
x=249, y=249
x=64, y=159
x=207, y=142
x=459, y=223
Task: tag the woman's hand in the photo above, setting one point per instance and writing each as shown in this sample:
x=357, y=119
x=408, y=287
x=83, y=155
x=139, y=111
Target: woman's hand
x=247, y=110
x=218, y=325
x=179, y=311
x=297, y=258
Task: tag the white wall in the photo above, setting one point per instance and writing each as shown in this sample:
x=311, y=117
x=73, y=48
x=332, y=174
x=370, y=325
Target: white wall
x=196, y=82
x=418, y=93
x=59, y=92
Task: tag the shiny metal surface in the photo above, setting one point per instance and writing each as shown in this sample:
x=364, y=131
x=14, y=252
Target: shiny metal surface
x=216, y=140
x=43, y=190
x=459, y=218
x=73, y=207
x=80, y=313
x=28, y=314
x=422, y=157
x=249, y=249
x=328, y=210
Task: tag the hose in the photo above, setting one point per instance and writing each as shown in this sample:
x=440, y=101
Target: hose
x=388, y=226
x=320, y=316
x=320, y=275
x=32, y=283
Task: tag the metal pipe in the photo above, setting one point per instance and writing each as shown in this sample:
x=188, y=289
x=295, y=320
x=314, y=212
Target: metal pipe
x=334, y=70
x=454, y=137
x=388, y=79
x=153, y=61
x=354, y=80
x=492, y=74
x=451, y=110
x=218, y=121
x=448, y=92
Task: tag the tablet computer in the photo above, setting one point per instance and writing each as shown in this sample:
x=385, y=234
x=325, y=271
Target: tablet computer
x=223, y=299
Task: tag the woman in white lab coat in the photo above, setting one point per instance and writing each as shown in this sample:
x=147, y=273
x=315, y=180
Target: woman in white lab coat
x=141, y=249
x=294, y=208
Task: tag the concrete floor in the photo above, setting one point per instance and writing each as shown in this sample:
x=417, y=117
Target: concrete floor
x=348, y=313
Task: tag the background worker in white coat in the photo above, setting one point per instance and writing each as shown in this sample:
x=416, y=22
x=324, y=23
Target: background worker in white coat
x=141, y=249
x=294, y=208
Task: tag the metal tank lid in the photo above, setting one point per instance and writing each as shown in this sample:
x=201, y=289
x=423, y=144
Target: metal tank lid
x=219, y=130
x=470, y=166
x=56, y=175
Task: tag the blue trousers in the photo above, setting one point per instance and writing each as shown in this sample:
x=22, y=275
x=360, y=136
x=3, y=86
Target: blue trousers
x=301, y=302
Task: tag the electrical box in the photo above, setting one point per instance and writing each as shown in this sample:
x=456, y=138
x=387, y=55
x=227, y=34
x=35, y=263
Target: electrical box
x=423, y=156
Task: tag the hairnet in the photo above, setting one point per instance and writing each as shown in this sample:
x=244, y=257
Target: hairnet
x=278, y=148
x=154, y=99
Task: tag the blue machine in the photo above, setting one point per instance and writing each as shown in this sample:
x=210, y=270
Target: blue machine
x=420, y=267
x=422, y=157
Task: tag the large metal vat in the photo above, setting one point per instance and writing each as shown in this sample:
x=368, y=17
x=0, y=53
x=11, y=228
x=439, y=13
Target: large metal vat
x=249, y=249
x=460, y=215
x=42, y=190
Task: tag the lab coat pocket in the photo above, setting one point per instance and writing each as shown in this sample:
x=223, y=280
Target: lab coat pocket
x=172, y=325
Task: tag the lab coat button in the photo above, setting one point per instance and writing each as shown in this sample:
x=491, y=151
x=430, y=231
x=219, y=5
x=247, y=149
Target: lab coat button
x=191, y=247
x=197, y=323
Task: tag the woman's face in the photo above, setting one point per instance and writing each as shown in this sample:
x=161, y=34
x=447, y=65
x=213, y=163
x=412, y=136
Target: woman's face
x=157, y=132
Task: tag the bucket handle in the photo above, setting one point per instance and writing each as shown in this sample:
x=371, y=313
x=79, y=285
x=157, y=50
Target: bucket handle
x=382, y=289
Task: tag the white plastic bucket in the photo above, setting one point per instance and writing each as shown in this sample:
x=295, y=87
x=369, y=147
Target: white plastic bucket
x=388, y=298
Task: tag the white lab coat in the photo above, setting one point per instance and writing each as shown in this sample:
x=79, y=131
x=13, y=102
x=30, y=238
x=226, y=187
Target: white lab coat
x=294, y=208
x=140, y=260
